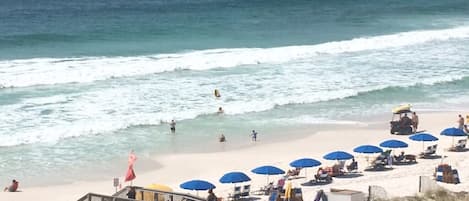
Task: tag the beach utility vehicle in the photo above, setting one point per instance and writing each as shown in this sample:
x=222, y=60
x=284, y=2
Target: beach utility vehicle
x=401, y=122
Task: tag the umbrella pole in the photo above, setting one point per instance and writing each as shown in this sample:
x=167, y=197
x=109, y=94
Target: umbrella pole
x=423, y=146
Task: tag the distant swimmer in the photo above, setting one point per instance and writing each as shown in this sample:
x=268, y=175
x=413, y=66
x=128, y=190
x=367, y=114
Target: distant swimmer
x=217, y=93
x=220, y=110
x=254, y=135
x=222, y=138
x=172, y=126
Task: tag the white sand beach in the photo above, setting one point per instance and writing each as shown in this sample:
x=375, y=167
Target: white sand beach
x=177, y=168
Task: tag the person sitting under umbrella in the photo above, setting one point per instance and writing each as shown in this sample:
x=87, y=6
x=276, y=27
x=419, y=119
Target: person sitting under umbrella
x=294, y=172
x=353, y=165
x=211, y=196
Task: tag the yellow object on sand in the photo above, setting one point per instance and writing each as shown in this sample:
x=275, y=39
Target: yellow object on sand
x=150, y=196
x=288, y=191
x=401, y=108
x=160, y=187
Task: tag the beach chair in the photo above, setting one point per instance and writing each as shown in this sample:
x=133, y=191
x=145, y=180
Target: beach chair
x=404, y=159
x=273, y=196
x=293, y=174
x=378, y=163
x=298, y=193
x=246, y=190
x=353, y=167
x=460, y=146
x=236, y=193
x=431, y=150
x=323, y=178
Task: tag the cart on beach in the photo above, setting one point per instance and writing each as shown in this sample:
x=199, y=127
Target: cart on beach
x=401, y=123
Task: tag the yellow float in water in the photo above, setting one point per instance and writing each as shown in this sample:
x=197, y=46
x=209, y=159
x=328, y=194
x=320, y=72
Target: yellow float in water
x=217, y=93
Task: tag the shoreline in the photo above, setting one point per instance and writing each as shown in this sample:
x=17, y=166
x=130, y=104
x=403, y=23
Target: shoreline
x=210, y=166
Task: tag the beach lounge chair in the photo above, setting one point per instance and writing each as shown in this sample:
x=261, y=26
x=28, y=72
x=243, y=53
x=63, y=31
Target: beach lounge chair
x=322, y=178
x=273, y=196
x=236, y=193
x=294, y=173
x=404, y=159
x=265, y=190
x=431, y=150
x=246, y=190
x=353, y=167
x=460, y=146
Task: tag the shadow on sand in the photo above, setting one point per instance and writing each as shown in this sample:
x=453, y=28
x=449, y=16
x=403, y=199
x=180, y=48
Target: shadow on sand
x=315, y=183
x=350, y=175
x=382, y=169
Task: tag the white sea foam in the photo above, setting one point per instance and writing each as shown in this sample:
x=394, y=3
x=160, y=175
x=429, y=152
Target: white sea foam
x=50, y=116
x=46, y=71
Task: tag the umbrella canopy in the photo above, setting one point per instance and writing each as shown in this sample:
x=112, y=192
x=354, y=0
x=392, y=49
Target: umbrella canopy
x=368, y=149
x=234, y=177
x=197, y=185
x=160, y=187
x=423, y=137
x=338, y=155
x=268, y=170
x=394, y=144
x=305, y=162
x=453, y=132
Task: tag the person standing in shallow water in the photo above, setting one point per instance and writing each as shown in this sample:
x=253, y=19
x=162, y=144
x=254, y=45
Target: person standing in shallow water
x=254, y=135
x=172, y=126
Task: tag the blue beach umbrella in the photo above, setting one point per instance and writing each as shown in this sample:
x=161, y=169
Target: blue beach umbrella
x=268, y=170
x=368, y=149
x=234, y=177
x=305, y=163
x=394, y=144
x=453, y=132
x=424, y=137
x=338, y=155
x=197, y=185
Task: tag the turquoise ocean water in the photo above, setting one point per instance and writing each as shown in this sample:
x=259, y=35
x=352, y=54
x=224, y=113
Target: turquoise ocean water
x=84, y=82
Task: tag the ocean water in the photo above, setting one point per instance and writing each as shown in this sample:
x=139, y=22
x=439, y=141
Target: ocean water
x=84, y=82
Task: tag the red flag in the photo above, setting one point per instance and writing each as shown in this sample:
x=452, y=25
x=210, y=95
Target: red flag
x=132, y=158
x=130, y=174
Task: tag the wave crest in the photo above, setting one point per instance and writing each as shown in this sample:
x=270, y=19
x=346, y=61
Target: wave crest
x=49, y=71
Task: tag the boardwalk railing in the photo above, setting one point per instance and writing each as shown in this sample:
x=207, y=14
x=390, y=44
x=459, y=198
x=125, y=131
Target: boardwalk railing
x=142, y=194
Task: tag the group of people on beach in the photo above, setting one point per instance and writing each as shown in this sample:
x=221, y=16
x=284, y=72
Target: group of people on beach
x=405, y=121
x=414, y=122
